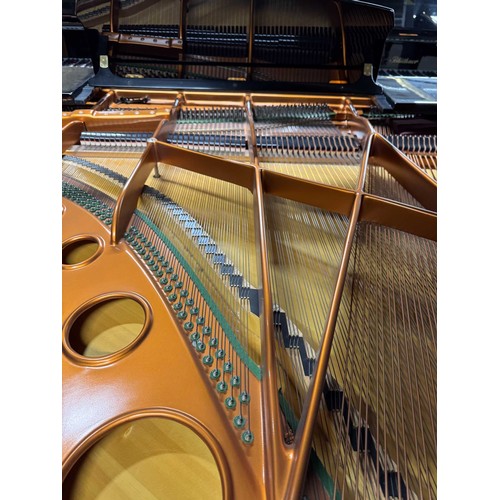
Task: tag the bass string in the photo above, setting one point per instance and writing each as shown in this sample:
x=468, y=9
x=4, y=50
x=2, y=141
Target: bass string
x=222, y=232
x=103, y=184
x=184, y=278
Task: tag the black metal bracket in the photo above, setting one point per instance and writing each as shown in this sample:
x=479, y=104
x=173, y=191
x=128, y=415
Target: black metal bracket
x=106, y=79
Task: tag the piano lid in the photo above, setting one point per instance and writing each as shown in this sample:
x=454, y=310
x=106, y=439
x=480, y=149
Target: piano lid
x=273, y=45
x=411, y=47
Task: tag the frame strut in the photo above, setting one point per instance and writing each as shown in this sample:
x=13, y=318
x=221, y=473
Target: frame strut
x=272, y=422
x=422, y=187
x=241, y=174
x=71, y=134
x=127, y=201
x=104, y=102
x=251, y=137
x=128, y=198
x=166, y=127
x=399, y=216
x=305, y=429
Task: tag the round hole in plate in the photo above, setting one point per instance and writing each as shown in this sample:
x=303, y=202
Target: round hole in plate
x=150, y=457
x=81, y=250
x=109, y=325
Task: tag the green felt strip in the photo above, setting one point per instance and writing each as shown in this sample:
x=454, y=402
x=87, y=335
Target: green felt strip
x=233, y=339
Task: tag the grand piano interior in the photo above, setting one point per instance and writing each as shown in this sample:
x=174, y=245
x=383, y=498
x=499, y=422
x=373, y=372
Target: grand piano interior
x=249, y=249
